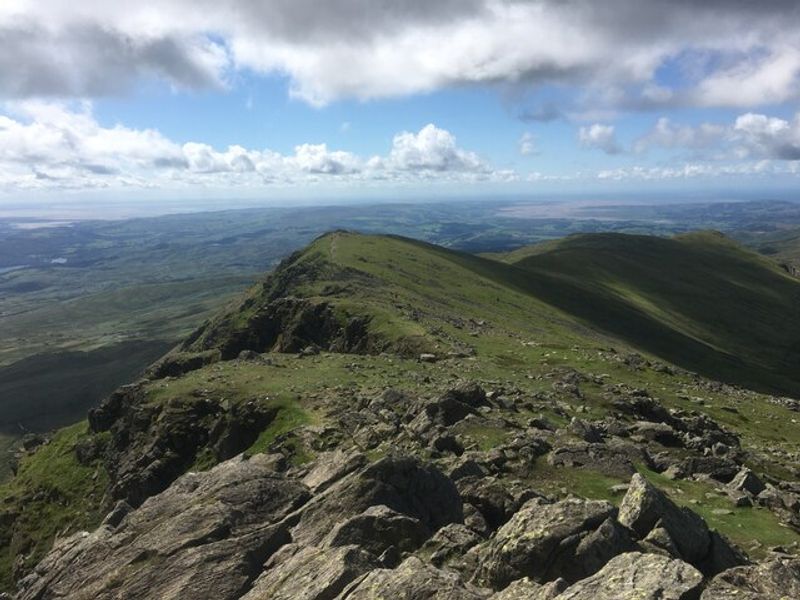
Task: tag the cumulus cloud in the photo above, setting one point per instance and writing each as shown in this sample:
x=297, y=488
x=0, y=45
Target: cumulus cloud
x=769, y=137
x=751, y=135
x=433, y=149
x=600, y=136
x=357, y=49
x=53, y=145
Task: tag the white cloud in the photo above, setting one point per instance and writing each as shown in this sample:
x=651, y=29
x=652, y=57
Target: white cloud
x=433, y=149
x=356, y=49
x=666, y=134
x=763, y=136
x=46, y=145
x=527, y=144
x=695, y=170
x=751, y=135
x=756, y=80
x=602, y=137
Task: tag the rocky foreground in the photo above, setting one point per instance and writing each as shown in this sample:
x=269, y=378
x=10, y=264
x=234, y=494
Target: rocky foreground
x=432, y=520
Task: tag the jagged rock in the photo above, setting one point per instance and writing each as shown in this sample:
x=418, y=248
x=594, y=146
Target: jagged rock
x=310, y=573
x=596, y=549
x=776, y=579
x=722, y=469
x=615, y=459
x=644, y=507
x=447, y=444
x=527, y=589
x=747, y=481
x=491, y=497
x=540, y=540
x=206, y=536
x=412, y=580
x=404, y=484
x=586, y=431
x=661, y=433
x=329, y=467
x=151, y=444
x=660, y=542
x=377, y=529
x=467, y=467
x=449, y=542
x=474, y=519
x=640, y=577
x=722, y=556
x=469, y=393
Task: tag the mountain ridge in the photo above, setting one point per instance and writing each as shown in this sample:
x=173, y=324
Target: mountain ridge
x=377, y=358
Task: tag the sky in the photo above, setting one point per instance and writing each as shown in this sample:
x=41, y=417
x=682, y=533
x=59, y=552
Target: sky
x=304, y=99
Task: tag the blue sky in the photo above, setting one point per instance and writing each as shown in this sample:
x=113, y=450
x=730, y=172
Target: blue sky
x=352, y=99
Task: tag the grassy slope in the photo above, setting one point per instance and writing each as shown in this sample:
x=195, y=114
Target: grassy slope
x=503, y=312
x=698, y=301
x=782, y=245
x=53, y=495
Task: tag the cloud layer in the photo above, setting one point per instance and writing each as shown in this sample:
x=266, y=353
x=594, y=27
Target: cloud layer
x=724, y=52
x=47, y=145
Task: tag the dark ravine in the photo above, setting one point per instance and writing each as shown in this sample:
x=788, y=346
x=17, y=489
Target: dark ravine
x=440, y=476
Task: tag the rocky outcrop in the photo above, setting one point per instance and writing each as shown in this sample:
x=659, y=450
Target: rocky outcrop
x=403, y=484
x=678, y=531
x=640, y=577
x=541, y=541
x=206, y=536
x=527, y=589
x=413, y=580
x=150, y=444
x=777, y=579
x=310, y=573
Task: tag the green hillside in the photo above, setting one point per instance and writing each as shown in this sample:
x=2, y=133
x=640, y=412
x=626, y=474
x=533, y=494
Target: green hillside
x=560, y=331
x=699, y=301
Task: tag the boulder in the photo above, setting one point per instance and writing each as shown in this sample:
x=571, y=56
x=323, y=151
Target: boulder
x=638, y=576
x=747, y=481
x=661, y=433
x=450, y=542
x=618, y=458
x=403, y=484
x=412, y=580
x=377, y=529
x=777, y=579
x=644, y=507
x=310, y=573
x=596, y=549
x=490, y=497
x=329, y=467
x=527, y=589
x=206, y=536
x=541, y=540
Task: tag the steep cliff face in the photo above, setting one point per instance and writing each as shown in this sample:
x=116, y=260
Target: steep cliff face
x=384, y=417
